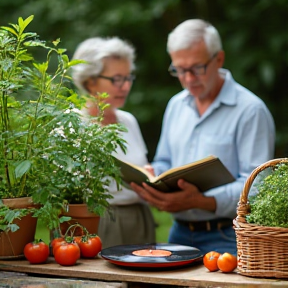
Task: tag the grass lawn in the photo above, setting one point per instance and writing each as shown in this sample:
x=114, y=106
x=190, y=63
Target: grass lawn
x=162, y=219
x=164, y=222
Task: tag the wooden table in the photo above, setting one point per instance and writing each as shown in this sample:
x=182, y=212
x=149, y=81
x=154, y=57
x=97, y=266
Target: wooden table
x=193, y=275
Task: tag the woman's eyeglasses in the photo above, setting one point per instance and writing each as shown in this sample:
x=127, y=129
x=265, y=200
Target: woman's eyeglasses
x=118, y=80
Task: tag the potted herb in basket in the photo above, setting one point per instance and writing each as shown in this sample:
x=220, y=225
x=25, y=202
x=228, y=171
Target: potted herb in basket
x=262, y=222
x=269, y=207
x=47, y=151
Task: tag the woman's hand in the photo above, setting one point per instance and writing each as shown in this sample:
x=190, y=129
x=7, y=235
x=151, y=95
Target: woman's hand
x=150, y=169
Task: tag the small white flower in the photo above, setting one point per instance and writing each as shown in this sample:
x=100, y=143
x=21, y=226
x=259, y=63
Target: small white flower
x=58, y=132
x=67, y=111
x=77, y=143
x=76, y=111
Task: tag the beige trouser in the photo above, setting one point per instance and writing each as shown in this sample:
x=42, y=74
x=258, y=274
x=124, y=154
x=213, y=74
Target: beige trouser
x=129, y=224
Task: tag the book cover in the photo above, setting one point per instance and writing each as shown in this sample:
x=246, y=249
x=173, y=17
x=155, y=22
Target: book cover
x=206, y=173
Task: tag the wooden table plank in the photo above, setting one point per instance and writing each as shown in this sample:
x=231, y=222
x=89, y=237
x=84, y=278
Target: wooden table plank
x=16, y=280
x=99, y=269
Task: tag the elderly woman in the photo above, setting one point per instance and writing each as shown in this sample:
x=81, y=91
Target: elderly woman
x=110, y=62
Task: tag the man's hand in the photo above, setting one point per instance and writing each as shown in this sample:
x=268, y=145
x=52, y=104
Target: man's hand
x=187, y=198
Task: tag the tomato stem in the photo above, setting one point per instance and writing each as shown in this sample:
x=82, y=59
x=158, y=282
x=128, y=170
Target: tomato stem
x=74, y=226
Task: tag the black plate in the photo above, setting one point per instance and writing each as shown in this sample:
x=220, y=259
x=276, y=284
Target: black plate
x=123, y=255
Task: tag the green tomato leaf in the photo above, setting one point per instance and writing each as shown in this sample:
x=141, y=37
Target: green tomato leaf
x=22, y=168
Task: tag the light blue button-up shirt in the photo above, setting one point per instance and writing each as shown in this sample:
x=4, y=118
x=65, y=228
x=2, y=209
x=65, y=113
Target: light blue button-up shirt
x=237, y=127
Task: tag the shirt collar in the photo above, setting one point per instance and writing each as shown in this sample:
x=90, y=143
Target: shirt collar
x=227, y=94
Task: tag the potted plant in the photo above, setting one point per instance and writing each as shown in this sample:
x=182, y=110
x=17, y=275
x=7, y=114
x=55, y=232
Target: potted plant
x=48, y=151
x=262, y=221
x=269, y=207
x=78, y=166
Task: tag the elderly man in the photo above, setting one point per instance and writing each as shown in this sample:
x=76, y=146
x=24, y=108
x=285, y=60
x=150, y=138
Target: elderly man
x=212, y=115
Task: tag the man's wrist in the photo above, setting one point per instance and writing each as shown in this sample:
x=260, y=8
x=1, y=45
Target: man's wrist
x=206, y=203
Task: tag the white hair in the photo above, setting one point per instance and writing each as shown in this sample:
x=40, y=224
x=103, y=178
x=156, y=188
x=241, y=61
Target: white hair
x=94, y=51
x=192, y=31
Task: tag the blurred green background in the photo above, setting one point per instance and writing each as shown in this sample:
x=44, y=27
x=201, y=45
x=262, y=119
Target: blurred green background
x=254, y=36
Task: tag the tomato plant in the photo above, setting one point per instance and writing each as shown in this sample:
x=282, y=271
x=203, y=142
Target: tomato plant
x=36, y=252
x=90, y=246
x=210, y=260
x=227, y=262
x=77, y=239
x=67, y=253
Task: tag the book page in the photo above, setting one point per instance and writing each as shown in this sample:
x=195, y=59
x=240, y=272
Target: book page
x=183, y=167
x=144, y=171
x=129, y=166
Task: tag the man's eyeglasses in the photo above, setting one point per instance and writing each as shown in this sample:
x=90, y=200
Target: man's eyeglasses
x=118, y=80
x=195, y=69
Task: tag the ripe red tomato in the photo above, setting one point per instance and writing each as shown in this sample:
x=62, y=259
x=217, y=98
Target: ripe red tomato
x=90, y=247
x=36, y=252
x=56, y=242
x=67, y=254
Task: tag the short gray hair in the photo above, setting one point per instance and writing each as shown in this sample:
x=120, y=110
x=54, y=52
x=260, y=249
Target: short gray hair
x=192, y=31
x=93, y=51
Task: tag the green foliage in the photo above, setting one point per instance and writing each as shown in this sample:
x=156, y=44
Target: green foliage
x=77, y=161
x=256, y=50
x=49, y=215
x=269, y=207
x=8, y=217
x=48, y=150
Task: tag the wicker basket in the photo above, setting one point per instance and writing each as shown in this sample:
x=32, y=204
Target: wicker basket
x=262, y=251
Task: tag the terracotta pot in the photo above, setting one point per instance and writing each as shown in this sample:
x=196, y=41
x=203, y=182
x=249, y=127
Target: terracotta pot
x=12, y=243
x=80, y=214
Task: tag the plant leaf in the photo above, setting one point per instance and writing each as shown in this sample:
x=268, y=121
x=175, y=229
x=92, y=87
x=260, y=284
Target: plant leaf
x=22, y=168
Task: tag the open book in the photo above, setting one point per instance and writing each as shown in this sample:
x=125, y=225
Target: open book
x=206, y=173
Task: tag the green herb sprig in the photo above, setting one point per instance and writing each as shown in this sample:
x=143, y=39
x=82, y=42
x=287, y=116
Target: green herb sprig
x=269, y=207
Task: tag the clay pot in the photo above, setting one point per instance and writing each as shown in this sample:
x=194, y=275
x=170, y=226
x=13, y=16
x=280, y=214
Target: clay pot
x=80, y=214
x=12, y=243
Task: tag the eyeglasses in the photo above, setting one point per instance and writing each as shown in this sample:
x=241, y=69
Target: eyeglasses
x=195, y=69
x=118, y=80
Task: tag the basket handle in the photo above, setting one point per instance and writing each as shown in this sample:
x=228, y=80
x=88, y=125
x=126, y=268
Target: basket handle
x=243, y=206
x=255, y=172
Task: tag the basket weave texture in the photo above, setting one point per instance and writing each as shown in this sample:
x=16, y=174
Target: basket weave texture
x=261, y=251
